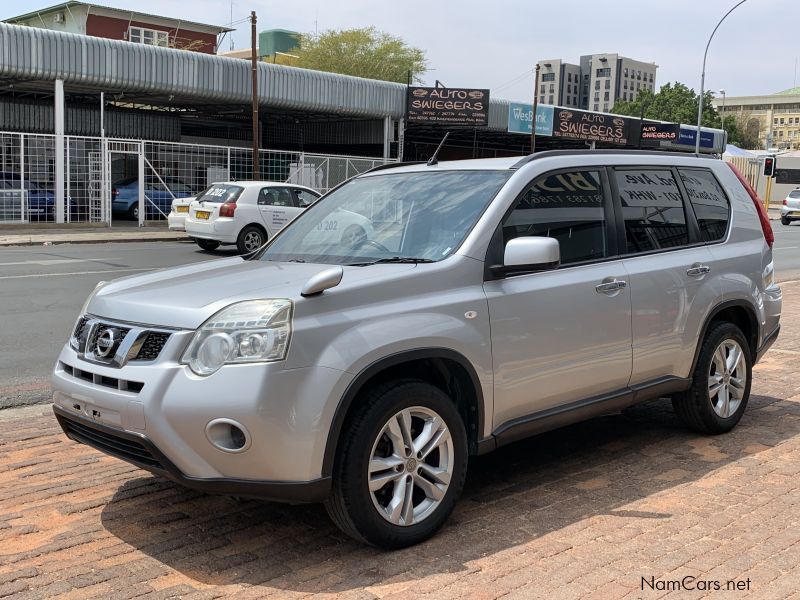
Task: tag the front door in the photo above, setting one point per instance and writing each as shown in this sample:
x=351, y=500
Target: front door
x=561, y=336
x=277, y=207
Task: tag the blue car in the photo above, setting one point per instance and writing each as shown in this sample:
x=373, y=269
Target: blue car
x=41, y=202
x=158, y=200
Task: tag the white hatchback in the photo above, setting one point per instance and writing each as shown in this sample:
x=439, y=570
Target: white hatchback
x=245, y=213
x=176, y=219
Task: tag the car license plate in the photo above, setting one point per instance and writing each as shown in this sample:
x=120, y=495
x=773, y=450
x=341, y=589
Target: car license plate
x=182, y=209
x=202, y=215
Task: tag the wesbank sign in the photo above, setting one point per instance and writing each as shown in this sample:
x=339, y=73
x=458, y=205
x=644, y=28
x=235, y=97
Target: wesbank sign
x=520, y=118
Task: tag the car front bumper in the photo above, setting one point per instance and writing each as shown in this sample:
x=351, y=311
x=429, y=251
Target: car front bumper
x=222, y=230
x=285, y=414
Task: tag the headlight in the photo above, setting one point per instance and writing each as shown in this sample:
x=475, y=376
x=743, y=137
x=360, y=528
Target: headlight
x=245, y=332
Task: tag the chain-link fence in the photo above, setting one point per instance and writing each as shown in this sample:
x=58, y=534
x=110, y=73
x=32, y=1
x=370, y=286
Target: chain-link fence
x=101, y=177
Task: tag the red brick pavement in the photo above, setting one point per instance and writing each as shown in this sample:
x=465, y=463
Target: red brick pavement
x=584, y=512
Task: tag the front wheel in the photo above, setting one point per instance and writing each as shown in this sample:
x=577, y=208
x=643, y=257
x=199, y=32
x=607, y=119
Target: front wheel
x=721, y=382
x=785, y=220
x=208, y=245
x=401, y=465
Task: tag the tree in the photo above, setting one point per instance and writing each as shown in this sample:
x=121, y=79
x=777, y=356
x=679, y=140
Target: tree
x=677, y=103
x=364, y=52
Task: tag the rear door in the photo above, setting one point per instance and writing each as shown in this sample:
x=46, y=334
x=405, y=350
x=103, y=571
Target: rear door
x=669, y=266
x=277, y=205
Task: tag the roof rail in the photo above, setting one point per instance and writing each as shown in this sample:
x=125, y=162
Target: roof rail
x=393, y=165
x=547, y=153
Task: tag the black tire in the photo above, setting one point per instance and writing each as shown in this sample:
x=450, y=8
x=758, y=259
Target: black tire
x=208, y=245
x=350, y=505
x=695, y=407
x=785, y=221
x=245, y=242
x=133, y=212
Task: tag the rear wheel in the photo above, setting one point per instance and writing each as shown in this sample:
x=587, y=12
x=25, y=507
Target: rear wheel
x=401, y=465
x=207, y=244
x=721, y=382
x=785, y=220
x=250, y=239
x=133, y=212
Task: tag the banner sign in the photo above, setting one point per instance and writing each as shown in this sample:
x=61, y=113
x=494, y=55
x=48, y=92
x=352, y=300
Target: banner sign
x=688, y=137
x=521, y=115
x=598, y=127
x=658, y=132
x=449, y=106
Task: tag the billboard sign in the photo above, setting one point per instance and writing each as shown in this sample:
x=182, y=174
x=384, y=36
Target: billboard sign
x=520, y=117
x=688, y=137
x=660, y=132
x=590, y=126
x=448, y=106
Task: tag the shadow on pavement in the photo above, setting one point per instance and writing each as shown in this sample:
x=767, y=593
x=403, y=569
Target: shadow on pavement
x=512, y=496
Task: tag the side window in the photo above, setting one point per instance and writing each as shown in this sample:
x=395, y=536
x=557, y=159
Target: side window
x=708, y=201
x=304, y=198
x=569, y=207
x=652, y=208
x=274, y=196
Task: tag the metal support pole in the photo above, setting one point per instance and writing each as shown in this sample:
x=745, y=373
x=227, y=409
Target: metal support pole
x=703, y=79
x=535, y=106
x=102, y=115
x=387, y=135
x=142, y=207
x=254, y=67
x=401, y=139
x=59, y=149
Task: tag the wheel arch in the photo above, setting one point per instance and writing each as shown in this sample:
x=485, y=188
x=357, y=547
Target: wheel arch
x=739, y=312
x=445, y=368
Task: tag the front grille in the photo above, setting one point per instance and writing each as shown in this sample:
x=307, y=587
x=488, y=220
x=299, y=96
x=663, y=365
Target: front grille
x=124, y=448
x=153, y=344
x=99, y=331
x=80, y=327
x=122, y=385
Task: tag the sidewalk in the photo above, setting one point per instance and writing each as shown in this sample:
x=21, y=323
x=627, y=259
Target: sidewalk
x=65, y=234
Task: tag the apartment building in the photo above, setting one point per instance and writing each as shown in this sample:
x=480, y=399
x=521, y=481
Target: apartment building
x=596, y=83
x=773, y=118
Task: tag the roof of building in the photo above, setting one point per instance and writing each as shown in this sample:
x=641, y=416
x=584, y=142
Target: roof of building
x=795, y=91
x=122, y=12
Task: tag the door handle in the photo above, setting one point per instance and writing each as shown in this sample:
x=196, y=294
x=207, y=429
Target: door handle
x=610, y=287
x=697, y=270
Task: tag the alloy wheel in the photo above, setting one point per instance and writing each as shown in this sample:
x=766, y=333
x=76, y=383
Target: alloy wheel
x=252, y=241
x=727, y=378
x=410, y=466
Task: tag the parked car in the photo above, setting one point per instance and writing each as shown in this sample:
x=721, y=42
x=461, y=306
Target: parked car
x=179, y=210
x=790, y=210
x=490, y=300
x=158, y=199
x=40, y=203
x=245, y=213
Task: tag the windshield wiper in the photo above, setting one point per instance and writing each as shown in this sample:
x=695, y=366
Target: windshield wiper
x=393, y=259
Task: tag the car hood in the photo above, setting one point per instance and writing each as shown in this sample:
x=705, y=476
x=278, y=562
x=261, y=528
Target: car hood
x=185, y=297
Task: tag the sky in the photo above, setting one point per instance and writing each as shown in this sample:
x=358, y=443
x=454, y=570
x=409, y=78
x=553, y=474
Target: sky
x=495, y=44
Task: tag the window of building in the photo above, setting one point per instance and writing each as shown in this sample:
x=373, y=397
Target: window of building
x=651, y=78
x=541, y=88
x=608, y=84
x=605, y=96
x=568, y=206
x=603, y=72
x=597, y=96
x=652, y=208
x=541, y=99
x=626, y=73
x=780, y=133
x=152, y=37
x=638, y=74
x=596, y=106
x=552, y=88
x=625, y=96
x=569, y=88
x=549, y=77
x=638, y=86
x=625, y=84
x=567, y=100
x=708, y=201
x=774, y=121
x=569, y=77
x=550, y=99
x=596, y=84
x=781, y=117
x=605, y=107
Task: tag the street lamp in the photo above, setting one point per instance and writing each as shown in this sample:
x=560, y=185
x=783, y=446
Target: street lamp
x=703, y=77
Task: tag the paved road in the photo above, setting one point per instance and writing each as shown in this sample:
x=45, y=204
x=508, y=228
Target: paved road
x=600, y=510
x=42, y=289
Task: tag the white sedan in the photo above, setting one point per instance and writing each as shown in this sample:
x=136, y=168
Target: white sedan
x=245, y=213
x=176, y=219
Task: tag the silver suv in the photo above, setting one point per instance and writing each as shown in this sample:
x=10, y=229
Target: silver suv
x=487, y=300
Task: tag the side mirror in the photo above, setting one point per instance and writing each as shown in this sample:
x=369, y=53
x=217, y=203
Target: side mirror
x=530, y=254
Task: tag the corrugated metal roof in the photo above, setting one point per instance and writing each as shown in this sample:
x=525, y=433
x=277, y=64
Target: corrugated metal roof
x=118, y=66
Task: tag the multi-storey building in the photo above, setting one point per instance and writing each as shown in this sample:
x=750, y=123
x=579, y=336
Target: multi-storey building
x=774, y=119
x=597, y=83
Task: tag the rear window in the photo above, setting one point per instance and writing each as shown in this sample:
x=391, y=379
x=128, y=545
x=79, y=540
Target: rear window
x=221, y=193
x=708, y=201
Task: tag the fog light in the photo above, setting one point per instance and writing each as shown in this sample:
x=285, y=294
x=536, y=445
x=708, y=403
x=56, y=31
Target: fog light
x=227, y=435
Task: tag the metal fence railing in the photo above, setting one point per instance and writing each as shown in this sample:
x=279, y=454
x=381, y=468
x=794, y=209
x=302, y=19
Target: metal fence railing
x=101, y=176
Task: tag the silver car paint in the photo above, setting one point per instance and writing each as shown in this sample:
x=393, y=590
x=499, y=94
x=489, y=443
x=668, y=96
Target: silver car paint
x=529, y=352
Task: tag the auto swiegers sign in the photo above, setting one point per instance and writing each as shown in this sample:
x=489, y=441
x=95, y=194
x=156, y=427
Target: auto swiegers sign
x=450, y=106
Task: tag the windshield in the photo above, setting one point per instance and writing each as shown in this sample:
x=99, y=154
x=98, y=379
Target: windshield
x=221, y=193
x=423, y=216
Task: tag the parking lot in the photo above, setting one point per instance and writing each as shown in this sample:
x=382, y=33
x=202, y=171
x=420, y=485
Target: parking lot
x=628, y=505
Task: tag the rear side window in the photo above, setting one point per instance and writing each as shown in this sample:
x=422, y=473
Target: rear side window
x=794, y=194
x=652, y=208
x=708, y=201
x=569, y=207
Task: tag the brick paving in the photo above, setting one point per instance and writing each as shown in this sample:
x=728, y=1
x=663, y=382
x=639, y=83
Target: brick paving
x=583, y=512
